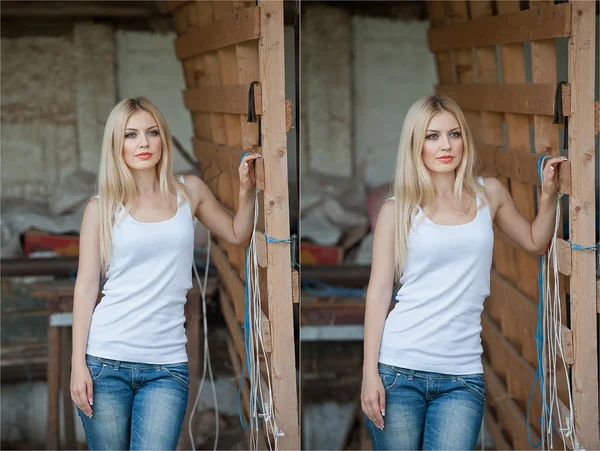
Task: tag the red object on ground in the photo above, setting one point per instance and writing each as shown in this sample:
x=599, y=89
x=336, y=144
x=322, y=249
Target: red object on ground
x=313, y=254
x=65, y=245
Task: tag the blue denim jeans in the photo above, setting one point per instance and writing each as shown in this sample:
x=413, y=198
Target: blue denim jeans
x=430, y=411
x=136, y=405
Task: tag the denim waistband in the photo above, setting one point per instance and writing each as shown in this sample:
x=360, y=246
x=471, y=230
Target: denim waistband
x=424, y=374
x=132, y=365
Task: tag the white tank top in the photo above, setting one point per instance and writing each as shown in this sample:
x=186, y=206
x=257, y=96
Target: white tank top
x=436, y=323
x=140, y=317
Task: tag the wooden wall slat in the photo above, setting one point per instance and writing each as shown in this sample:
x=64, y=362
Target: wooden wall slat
x=506, y=362
x=510, y=97
x=495, y=430
x=221, y=99
x=443, y=60
x=511, y=418
x=528, y=25
x=582, y=214
x=518, y=165
x=245, y=26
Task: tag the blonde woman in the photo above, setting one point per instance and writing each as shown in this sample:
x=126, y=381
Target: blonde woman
x=423, y=385
x=129, y=376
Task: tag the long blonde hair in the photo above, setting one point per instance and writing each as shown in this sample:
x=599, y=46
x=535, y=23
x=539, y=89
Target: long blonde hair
x=412, y=185
x=116, y=185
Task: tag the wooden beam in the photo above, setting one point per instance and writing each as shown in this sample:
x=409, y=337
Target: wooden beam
x=235, y=331
x=518, y=165
x=564, y=257
x=241, y=27
x=78, y=9
x=582, y=214
x=509, y=414
x=289, y=108
x=529, y=25
x=259, y=168
x=232, y=283
x=567, y=340
x=221, y=99
x=276, y=211
x=495, y=430
x=261, y=249
x=507, y=98
x=296, y=286
x=266, y=335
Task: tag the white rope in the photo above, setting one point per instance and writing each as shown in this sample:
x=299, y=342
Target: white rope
x=207, y=363
x=553, y=347
x=258, y=393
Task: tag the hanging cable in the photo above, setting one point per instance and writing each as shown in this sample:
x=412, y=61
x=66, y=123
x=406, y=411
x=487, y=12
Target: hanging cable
x=207, y=364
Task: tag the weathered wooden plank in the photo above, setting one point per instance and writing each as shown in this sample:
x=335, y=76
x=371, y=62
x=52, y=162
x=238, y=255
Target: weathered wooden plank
x=495, y=430
x=511, y=418
x=261, y=249
x=519, y=98
x=266, y=332
x=221, y=99
x=519, y=166
x=529, y=25
x=567, y=341
x=443, y=60
x=230, y=279
x=582, y=213
x=296, y=286
x=283, y=367
x=241, y=27
x=259, y=166
x=564, y=258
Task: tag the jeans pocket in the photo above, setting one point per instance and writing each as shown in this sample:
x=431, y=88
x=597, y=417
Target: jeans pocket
x=388, y=378
x=179, y=372
x=475, y=384
x=96, y=369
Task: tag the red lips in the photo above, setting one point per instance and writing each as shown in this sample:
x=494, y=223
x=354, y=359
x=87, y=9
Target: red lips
x=446, y=159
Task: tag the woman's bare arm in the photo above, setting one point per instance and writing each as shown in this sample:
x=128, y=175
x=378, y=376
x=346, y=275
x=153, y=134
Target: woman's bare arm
x=88, y=279
x=533, y=236
x=237, y=229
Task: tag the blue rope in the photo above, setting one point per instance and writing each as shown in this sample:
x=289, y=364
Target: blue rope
x=270, y=239
x=328, y=290
x=579, y=247
x=246, y=364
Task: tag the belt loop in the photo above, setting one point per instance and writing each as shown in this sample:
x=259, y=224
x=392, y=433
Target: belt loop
x=411, y=375
x=117, y=364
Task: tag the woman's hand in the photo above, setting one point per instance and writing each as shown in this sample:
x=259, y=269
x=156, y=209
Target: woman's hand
x=372, y=399
x=550, y=185
x=82, y=388
x=246, y=170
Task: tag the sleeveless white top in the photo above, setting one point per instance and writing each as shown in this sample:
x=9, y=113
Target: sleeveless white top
x=436, y=323
x=140, y=317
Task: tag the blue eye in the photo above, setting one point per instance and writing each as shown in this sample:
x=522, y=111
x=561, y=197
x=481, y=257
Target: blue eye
x=154, y=133
x=130, y=135
x=456, y=134
x=432, y=136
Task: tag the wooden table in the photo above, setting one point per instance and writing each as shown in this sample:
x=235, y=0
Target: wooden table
x=60, y=321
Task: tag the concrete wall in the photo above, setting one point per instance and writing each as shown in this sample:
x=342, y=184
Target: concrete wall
x=57, y=92
x=392, y=68
x=146, y=65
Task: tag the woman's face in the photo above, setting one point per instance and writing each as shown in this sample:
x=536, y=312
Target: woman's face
x=142, y=146
x=443, y=147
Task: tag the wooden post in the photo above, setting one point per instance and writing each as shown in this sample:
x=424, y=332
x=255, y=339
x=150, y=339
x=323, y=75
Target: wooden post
x=53, y=379
x=65, y=378
x=582, y=213
x=283, y=367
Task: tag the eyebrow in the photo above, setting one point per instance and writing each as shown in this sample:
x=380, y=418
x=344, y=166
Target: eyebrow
x=437, y=131
x=154, y=126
